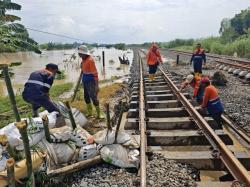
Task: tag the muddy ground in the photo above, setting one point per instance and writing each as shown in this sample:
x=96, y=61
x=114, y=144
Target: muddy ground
x=235, y=95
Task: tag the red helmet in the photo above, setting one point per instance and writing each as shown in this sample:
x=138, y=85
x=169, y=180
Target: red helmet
x=205, y=80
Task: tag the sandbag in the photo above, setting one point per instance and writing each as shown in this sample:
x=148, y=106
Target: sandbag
x=89, y=151
x=52, y=117
x=119, y=156
x=59, y=135
x=106, y=137
x=81, y=137
x=14, y=137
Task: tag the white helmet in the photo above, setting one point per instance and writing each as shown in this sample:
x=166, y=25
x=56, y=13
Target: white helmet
x=189, y=78
x=82, y=49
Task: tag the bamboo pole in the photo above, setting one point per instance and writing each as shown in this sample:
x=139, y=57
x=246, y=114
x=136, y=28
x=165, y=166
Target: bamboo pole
x=11, y=92
x=46, y=128
x=77, y=87
x=10, y=165
x=75, y=167
x=71, y=117
x=119, y=121
x=108, y=117
x=22, y=127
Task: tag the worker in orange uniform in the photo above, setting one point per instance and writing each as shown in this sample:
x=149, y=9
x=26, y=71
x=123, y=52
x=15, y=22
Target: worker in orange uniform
x=90, y=81
x=211, y=101
x=195, y=83
x=198, y=58
x=153, y=60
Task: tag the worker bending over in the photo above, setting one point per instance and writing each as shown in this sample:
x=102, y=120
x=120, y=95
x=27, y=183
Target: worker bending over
x=195, y=83
x=153, y=60
x=211, y=101
x=198, y=58
x=36, y=89
x=90, y=81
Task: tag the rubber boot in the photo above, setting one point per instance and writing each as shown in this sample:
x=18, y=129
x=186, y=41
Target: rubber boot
x=153, y=77
x=89, y=110
x=35, y=113
x=100, y=114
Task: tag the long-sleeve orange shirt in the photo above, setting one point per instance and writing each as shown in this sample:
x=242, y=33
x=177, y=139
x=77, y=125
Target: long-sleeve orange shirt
x=210, y=94
x=89, y=69
x=153, y=56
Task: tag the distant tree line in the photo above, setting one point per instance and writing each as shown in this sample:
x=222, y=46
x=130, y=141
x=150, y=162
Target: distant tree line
x=58, y=46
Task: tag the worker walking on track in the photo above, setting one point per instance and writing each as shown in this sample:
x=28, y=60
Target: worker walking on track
x=195, y=83
x=198, y=58
x=153, y=60
x=90, y=81
x=211, y=101
x=36, y=89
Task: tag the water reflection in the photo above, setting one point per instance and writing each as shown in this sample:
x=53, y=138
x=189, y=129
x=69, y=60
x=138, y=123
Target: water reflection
x=71, y=66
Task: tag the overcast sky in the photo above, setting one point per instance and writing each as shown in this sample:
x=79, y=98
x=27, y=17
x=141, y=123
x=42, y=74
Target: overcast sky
x=130, y=21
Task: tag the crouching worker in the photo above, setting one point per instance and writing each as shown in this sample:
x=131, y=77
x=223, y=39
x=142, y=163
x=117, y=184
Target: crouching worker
x=36, y=89
x=153, y=60
x=90, y=81
x=195, y=83
x=212, y=101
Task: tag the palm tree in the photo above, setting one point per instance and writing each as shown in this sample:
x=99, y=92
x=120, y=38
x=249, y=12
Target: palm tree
x=14, y=35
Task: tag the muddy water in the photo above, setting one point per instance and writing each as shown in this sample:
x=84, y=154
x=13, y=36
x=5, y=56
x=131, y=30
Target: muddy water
x=32, y=62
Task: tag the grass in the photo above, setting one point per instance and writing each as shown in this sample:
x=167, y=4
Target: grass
x=105, y=94
x=6, y=110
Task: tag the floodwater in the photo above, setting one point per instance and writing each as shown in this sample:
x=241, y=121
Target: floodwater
x=32, y=62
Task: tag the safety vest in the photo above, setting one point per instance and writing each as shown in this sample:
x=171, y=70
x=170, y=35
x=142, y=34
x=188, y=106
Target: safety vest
x=39, y=83
x=89, y=71
x=153, y=58
x=198, y=56
x=212, y=101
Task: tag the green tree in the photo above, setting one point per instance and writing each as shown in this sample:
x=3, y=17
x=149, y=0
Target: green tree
x=14, y=36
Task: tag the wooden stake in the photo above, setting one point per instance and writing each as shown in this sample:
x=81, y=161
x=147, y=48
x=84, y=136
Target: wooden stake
x=77, y=87
x=119, y=121
x=71, y=117
x=10, y=165
x=11, y=92
x=108, y=117
x=22, y=127
x=46, y=128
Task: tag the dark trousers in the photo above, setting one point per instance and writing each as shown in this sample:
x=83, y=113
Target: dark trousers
x=41, y=101
x=152, y=69
x=217, y=118
x=90, y=92
x=197, y=67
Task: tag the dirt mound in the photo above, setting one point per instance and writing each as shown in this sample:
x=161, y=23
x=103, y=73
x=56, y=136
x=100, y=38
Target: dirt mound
x=219, y=79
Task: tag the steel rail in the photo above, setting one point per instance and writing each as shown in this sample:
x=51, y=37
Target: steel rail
x=238, y=60
x=142, y=125
x=228, y=158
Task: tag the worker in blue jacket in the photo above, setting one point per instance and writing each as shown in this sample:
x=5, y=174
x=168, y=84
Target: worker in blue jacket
x=198, y=58
x=36, y=89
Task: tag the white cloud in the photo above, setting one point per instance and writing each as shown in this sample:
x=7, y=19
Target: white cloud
x=127, y=20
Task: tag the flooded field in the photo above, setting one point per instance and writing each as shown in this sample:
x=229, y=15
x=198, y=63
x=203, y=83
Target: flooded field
x=32, y=62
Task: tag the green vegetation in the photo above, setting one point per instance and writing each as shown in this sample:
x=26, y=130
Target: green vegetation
x=58, y=46
x=24, y=109
x=234, y=38
x=60, y=76
x=14, y=36
x=120, y=46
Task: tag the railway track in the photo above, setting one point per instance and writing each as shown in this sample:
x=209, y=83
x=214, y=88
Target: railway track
x=165, y=121
x=236, y=66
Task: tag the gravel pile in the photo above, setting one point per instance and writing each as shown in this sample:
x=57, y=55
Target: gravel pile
x=235, y=95
x=161, y=173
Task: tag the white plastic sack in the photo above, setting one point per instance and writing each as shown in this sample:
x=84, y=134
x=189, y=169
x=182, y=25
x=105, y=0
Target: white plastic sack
x=106, y=137
x=81, y=137
x=12, y=134
x=3, y=162
x=51, y=117
x=59, y=135
x=59, y=153
x=80, y=119
x=118, y=155
x=88, y=151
